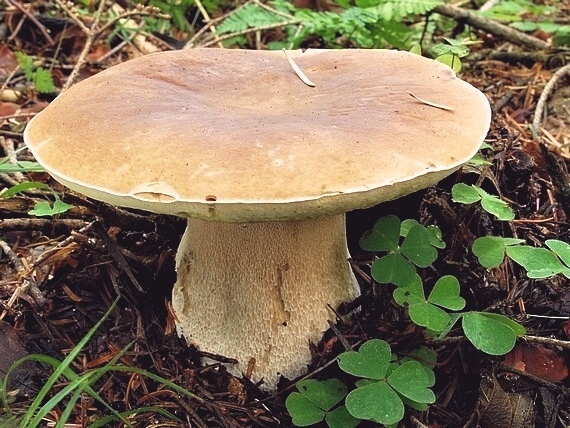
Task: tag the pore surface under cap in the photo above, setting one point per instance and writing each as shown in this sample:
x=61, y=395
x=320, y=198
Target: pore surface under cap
x=235, y=135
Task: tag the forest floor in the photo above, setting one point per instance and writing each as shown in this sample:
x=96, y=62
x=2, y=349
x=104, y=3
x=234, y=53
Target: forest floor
x=60, y=274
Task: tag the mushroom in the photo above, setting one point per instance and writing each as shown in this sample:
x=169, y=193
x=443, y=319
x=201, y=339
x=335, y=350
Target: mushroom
x=264, y=167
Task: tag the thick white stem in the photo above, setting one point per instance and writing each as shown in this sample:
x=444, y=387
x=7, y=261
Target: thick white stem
x=260, y=290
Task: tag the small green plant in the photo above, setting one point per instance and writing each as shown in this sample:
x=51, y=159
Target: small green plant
x=367, y=23
x=20, y=166
x=397, y=264
x=42, y=208
x=466, y=194
x=451, y=52
x=517, y=13
x=250, y=15
x=316, y=400
x=38, y=76
x=385, y=385
x=515, y=10
x=538, y=262
x=77, y=385
x=176, y=9
x=430, y=312
x=560, y=33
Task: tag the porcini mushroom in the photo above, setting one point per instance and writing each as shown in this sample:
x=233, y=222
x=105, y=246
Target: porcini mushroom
x=264, y=168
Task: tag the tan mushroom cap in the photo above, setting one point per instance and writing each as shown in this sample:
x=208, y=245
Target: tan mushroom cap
x=235, y=135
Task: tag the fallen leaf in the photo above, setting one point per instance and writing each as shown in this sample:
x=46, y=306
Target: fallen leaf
x=539, y=361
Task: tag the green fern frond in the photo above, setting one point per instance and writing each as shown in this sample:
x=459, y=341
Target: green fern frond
x=248, y=16
x=43, y=82
x=41, y=78
x=26, y=63
x=396, y=10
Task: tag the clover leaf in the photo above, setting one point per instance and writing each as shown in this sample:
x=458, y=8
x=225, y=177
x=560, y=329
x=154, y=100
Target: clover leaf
x=411, y=381
x=371, y=361
x=314, y=402
x=493, y=334
x=384, y=236
x=465, y=194
x=417, y=246
x=375, y=401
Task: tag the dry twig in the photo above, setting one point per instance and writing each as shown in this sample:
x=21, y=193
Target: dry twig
x=547, y=341
x=94, y=31
x=67, y=241
x=32, y=18
x=507, y=33
x=7, y=145
x=541, y=104
x=193, y=42
x=27, y=286
x=91, y=35
x=38, y=224
x=250, y=30
x=207, y=19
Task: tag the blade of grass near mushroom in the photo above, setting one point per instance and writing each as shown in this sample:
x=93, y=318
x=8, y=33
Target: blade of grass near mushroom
x=264, y=167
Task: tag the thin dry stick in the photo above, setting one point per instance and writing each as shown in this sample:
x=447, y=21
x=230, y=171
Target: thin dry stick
x=28, y=285
x=547, y=341
x=12, y=134
x=147, y=11
x=72, y=15
x=505, y=32
x=541, y=104
x=7, y=145
x=190, y=43
x=488, y=5
x=204, y=13
x=297, y=70
x=67, y=241
x=8, y=79
x=11, y=256
x=91, y=35
x=15, y=115
x=250, y=30
x=297, y=32
x=111, y=52
x=417, y=423
x=274, y=11
x=38, y=223
x=32, y=18
x=429, y=103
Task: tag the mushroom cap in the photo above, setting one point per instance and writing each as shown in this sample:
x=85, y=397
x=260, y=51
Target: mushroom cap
x=235, y=135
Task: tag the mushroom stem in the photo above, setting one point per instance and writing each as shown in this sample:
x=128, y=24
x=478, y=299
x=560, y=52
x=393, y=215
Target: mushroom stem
x=260, y=290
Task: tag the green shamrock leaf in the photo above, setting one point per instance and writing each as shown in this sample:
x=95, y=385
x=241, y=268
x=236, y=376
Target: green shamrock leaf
x=371, y=361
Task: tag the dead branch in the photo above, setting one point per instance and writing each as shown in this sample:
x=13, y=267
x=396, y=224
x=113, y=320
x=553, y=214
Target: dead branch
x=39, y=224
x=250, y=30
x=7, y=145
x=94, y=31
x=32, y=18
x=27, y=286
x=206, y=27
x=541, y=104
x=91, y=35
x=505, y=32
x=207, y=19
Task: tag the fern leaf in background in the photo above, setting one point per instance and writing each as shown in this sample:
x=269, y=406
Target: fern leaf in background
x=39, y=77
x=370, y=23
x=248, y=16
